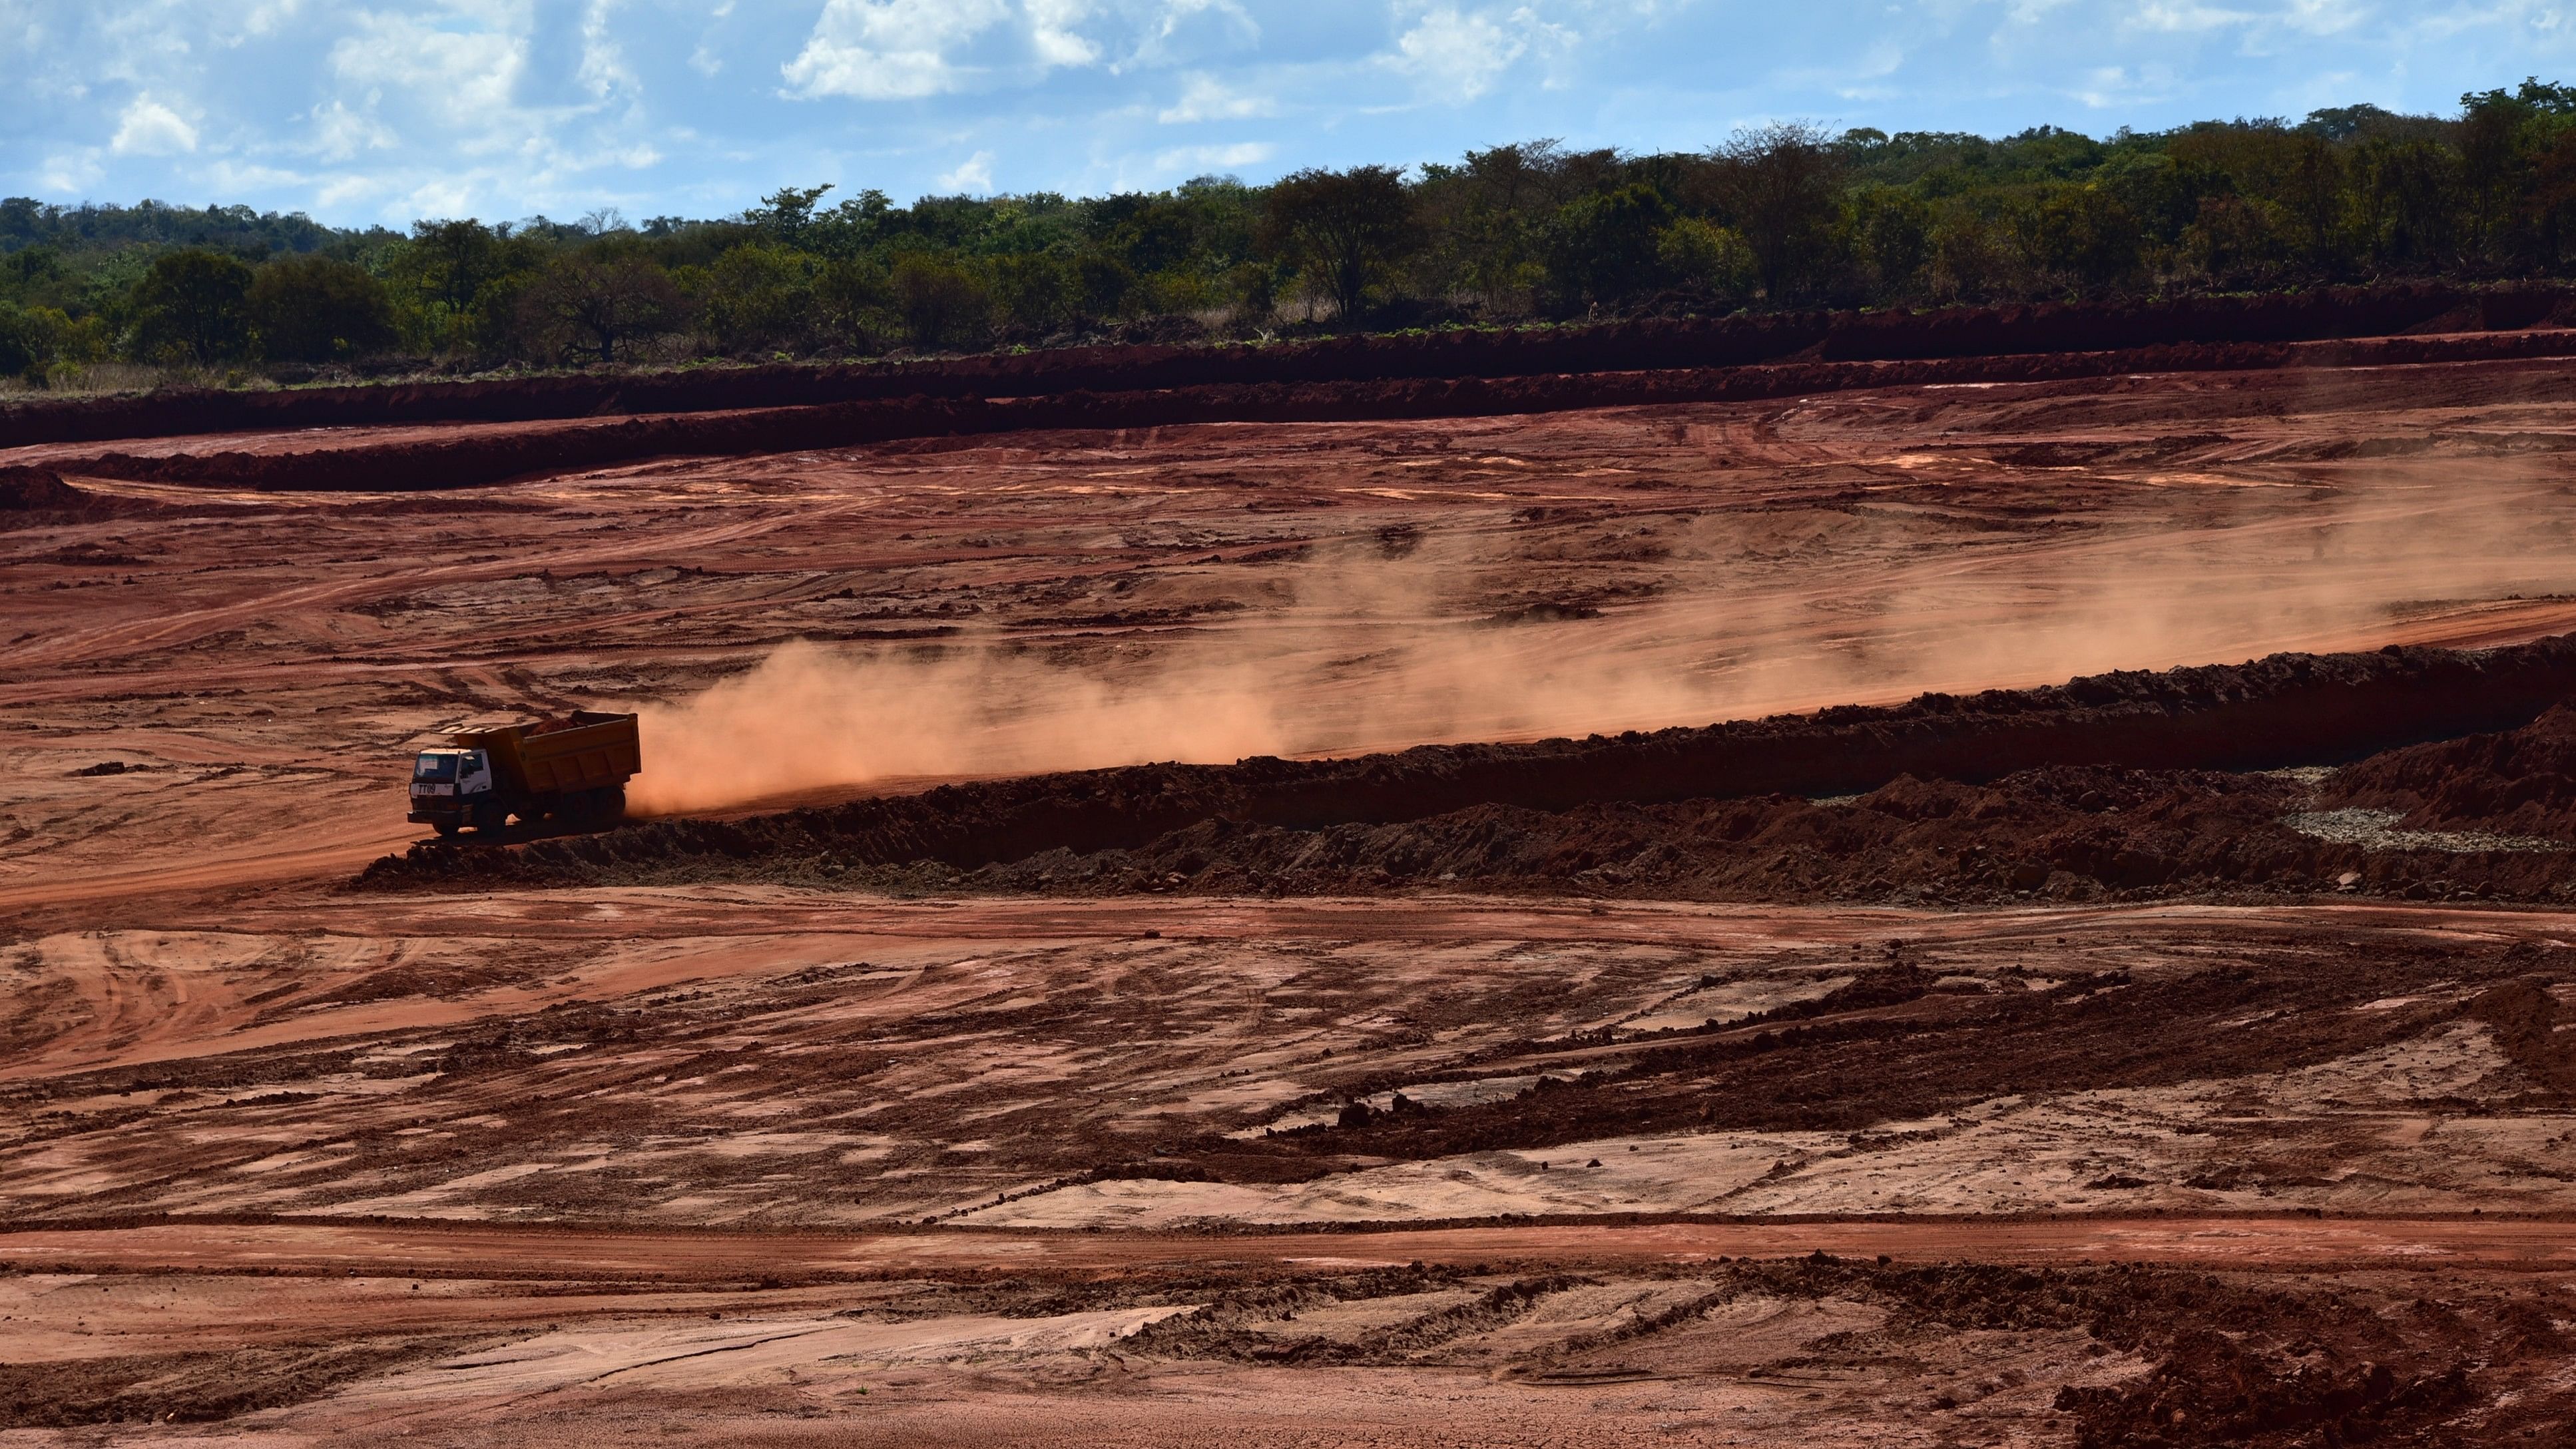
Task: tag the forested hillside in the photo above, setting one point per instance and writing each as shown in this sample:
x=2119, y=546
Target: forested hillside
x=1787, y=216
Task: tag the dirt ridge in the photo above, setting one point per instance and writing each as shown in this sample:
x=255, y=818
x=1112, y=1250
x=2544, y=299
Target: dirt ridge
x=2288, y=709
x=472, y=460
x=1648, y=343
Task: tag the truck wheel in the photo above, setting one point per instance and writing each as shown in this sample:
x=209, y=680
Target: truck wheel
x=445, y=828
x=612, y=805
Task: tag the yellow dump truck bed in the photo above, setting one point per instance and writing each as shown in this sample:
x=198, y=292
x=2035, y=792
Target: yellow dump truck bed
x=594, y=751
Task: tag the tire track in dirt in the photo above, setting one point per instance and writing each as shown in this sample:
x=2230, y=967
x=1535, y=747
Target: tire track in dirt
x=478, y=1250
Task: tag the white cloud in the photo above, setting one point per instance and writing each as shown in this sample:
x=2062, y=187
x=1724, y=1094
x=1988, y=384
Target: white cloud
x=1458, y=56
x=1201, y=159
x=1051, y=32
x=265, y=18
x=2185, y=17
x=461, y=79
x=1192, y=31
x=704, y=59
x=149, y=128
x=70, y=173
x=340, y=133
x=1205, y=98
x=2105, y=87
x=883, y=50
x=603, y=64
x=974, y=174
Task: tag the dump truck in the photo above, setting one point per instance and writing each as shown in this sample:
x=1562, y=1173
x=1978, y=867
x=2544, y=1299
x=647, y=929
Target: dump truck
x=570, y=771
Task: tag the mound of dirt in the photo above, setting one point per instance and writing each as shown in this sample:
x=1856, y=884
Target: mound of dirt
x=2065, y=833
x=39, y=498
x=1647, y=344
x=2520, y=782
x=1724, y=809
x=491, y=457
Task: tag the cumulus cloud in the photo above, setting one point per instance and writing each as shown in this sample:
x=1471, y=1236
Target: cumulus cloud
x=340, y=133
x=461, y=81
x=1205, y=98
x=149, y=128
x=1457, y=55
x=375, y=110
x=2187, y=16
x=1052, y=35
x=973, y=176
x=1195, y=160
x=885, y=50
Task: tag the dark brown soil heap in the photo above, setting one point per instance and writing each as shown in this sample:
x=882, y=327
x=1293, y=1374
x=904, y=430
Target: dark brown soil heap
x=1648, y=344
x=39, y=498
x=493, y=457
x=2519, y=783
x=2107, y=783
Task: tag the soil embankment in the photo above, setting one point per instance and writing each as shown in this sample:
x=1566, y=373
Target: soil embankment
x=2068, y=759
x=1650, y=344
x=481, y=457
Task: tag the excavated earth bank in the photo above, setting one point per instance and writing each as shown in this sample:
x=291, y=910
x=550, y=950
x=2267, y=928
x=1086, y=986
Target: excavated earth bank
x=1650, y=345
x=502, y=453
x=2111, y=782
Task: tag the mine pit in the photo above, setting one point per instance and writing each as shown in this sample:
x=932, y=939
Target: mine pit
x=1740, y=902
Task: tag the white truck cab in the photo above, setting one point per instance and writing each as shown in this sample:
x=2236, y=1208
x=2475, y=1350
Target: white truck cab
x=440, y=773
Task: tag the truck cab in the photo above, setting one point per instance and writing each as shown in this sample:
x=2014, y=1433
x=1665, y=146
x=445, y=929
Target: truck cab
x=451, y=789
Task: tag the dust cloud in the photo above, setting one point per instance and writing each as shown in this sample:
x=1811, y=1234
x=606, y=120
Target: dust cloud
x=1370, y=653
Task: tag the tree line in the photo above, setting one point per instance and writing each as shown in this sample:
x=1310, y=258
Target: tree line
x=1783, y=216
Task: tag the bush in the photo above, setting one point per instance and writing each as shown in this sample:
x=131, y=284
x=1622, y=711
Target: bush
x=192, y=306
x=315, y=309
x=939, y=301
x=1034, y=290
x=1713, y=259
x=1604, y=248
x=849, y=293
x=757, y=297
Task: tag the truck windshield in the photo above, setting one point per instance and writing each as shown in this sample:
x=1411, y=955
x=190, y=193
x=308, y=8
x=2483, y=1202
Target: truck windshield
x=434, y=767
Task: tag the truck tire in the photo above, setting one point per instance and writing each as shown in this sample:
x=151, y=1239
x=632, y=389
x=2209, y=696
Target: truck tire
x=445, y=828
x=612, y=806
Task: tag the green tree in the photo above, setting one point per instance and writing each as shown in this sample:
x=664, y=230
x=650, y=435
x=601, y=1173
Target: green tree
x=587, y=303
x=455, y=260
x=1102, y=283
x=1781, y=187
x=1892, y=230
x=940, y=301
x=1603, y=247
x=192, y=306
x=1345, y=229
x=757, y=297
x=2408, y=190
x=849, y=294
x=1712, y=258
x=23, y=349
x=1034, y=290
x=2082, y=231
x=2236, y=239
x=314, y=309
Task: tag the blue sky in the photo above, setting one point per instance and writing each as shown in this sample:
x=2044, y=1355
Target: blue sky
x=501, y=108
